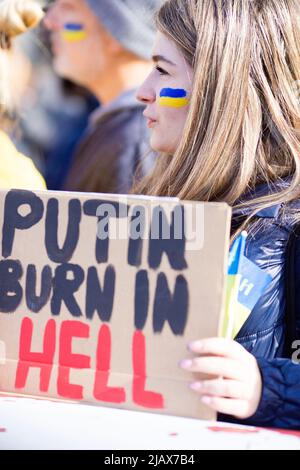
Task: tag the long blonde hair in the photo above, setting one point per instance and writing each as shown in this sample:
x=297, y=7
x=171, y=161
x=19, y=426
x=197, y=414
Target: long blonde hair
x=243, y=123
x=16, y=17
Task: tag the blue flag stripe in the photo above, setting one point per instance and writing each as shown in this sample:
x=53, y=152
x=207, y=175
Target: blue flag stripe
x=172, y=93
x=73, y=27
x=236, y=253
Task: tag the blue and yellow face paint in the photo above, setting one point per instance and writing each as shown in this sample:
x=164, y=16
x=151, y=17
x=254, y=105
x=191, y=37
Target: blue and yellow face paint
x=173, y=98
x=73, y=32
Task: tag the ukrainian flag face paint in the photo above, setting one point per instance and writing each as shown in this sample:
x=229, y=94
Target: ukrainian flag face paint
x=173, y=98
x=167, y=93
x=74, y=32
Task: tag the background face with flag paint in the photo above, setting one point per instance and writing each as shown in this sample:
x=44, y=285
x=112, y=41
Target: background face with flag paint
x=80, y=45
x=166, y=92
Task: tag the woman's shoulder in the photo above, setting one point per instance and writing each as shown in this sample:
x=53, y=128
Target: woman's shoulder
x=16, y=170
x=270, y=229
x=281, y=214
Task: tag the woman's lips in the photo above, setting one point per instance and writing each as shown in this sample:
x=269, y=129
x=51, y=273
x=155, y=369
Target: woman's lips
x=151, y=123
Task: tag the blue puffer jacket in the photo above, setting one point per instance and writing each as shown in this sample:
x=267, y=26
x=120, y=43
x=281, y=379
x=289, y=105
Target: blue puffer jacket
x=263, y=334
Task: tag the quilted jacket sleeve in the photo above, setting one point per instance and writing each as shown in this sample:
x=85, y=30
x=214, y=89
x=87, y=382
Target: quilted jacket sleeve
x=280, y=402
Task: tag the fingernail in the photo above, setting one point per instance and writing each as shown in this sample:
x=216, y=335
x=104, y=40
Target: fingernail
x=186, y=363
x=196, y=386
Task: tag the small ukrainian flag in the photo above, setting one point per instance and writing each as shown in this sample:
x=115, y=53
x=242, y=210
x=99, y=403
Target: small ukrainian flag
x=245, y=285
x=73, y=32
x=173, y=98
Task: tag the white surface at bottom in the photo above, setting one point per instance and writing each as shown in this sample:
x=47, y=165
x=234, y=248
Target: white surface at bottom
x=31, y=424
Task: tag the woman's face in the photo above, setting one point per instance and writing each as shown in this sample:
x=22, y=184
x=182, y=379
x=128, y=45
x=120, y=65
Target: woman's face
x=166, y=92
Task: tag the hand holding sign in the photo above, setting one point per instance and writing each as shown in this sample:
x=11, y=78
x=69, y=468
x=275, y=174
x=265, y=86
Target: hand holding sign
x=238, y=392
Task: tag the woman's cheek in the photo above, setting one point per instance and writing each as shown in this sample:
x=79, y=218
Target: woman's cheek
x=172, y=112
x=166, y=135
x=173, y=108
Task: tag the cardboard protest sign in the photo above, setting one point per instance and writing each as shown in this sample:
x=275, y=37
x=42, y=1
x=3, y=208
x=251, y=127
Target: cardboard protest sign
x=100, y=294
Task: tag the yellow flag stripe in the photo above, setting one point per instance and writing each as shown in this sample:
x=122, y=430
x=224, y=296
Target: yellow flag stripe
x=235, y=314
x=74, y=36
x=173, y=102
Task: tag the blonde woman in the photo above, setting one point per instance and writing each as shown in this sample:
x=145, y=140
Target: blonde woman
x=224, y=116
x=16, y=171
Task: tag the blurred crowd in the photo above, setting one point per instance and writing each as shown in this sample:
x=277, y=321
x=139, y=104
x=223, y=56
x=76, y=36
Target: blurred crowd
x=73, y=82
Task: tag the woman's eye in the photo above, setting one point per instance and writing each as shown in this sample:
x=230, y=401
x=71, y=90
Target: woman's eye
x=161, y=71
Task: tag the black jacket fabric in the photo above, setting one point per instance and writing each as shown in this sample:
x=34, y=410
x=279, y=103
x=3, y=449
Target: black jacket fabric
x=264, y=332
x=115, y=146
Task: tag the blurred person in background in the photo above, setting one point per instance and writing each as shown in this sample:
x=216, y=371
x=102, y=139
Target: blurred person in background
x=16, y=170
x=68, y=109
x=52, y=112
x=105, y=46
x=52, y=117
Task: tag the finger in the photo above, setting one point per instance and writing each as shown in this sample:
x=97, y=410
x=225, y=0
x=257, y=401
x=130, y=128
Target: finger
x=233, y=407
x=218, y=366
x=219, y=347
x=220, y=388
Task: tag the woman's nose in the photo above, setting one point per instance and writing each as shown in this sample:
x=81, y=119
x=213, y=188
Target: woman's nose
x=146, y=94
x=51, y=19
